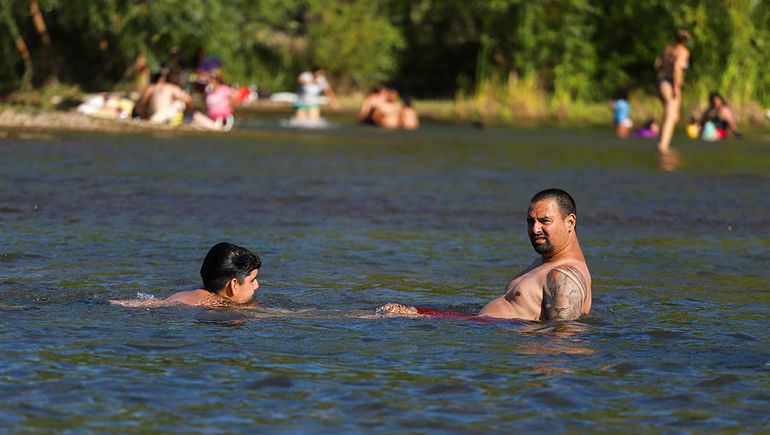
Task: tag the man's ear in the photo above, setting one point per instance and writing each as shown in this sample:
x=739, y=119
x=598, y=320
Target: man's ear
x=571, y=220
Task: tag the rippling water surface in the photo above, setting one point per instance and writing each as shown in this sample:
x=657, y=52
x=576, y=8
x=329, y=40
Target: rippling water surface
x=348, y=219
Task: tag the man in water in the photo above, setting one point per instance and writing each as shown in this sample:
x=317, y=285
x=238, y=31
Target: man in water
x=669, y=70
x=557, y=285
x=229, y=274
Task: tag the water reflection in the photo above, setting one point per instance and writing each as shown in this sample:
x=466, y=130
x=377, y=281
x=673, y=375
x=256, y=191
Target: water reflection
x=555, y=338
x=669, y=160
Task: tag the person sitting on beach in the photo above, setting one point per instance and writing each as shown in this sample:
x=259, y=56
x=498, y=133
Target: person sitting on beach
x=311, y=85
x=409, y=118
x=369, y=105
x=557, y=285
x=165, y=101
x=219, y=98
x=717, y=119
x=621, y=113
x=649, y=130
x=143, y=106
x=388, y=112
x=229, y=274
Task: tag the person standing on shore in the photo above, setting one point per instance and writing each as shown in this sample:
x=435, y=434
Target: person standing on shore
x=669, y=68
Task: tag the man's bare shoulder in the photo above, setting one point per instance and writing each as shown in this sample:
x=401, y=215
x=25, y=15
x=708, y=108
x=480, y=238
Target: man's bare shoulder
x=566, y=291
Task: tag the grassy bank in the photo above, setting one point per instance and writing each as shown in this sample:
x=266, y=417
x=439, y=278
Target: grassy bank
x=524, y=102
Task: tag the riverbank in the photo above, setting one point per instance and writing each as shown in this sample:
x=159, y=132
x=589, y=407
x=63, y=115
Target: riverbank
x=55, y=112
x=11, y=118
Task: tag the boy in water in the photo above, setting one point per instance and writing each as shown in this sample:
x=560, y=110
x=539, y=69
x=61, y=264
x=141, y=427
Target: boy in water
x=229, y=274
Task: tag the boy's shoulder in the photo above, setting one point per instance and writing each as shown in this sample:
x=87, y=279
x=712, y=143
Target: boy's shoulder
x=192, y=297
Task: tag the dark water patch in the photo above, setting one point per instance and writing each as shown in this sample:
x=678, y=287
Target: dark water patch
x=378, y=408
x=741, y=336
x=624, y=368
x=759, y=398
x=668, y=335
x=552, y=399
x=448, y=389
x=277, y=381
x=719, y=381
x=672, y=400
x=154, y=348
x=10, y=257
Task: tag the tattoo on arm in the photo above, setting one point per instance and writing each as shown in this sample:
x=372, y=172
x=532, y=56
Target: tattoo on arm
x=564, y=294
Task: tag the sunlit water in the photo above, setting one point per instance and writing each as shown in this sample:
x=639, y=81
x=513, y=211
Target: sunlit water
x=348, y=219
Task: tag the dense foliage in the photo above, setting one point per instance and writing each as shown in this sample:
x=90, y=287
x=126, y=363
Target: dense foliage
x=571, y=50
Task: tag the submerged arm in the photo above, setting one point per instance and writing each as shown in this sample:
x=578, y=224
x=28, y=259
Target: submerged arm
x=564, y=294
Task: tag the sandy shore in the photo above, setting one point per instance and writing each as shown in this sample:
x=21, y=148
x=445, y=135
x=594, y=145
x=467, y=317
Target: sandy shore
x=11, y=119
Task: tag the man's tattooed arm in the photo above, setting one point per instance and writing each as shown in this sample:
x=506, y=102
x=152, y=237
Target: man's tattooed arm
x=563, y=294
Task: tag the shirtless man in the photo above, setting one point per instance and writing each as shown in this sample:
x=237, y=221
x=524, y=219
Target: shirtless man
x=388, y=112
x=557, y=286
x=669, y=70
x=229, y=274
x=369, y=105
x=164, y=101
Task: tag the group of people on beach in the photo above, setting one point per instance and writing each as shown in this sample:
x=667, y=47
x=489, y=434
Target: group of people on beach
x=168, y=96
x=713, y=124
x=381, y=108
x=164, y=102
x=556, y=286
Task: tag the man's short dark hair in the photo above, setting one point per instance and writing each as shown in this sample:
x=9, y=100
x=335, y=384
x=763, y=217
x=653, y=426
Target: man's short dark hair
x=566, y=203
x=226, y=261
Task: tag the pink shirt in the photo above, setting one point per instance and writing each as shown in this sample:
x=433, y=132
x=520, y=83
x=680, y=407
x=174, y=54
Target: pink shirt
x=218, y=102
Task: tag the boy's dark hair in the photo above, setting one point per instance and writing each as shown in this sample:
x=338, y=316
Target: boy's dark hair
x=621, y=93
x=226, y=261
x=563, y=199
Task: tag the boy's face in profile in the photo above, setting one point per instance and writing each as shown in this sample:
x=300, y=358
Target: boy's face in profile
x=244, y=291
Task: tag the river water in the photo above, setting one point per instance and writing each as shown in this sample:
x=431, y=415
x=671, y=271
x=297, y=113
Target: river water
x=348, y=219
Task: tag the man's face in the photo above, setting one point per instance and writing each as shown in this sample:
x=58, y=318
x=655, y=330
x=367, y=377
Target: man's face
x=245, y=291
x=547, y=229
